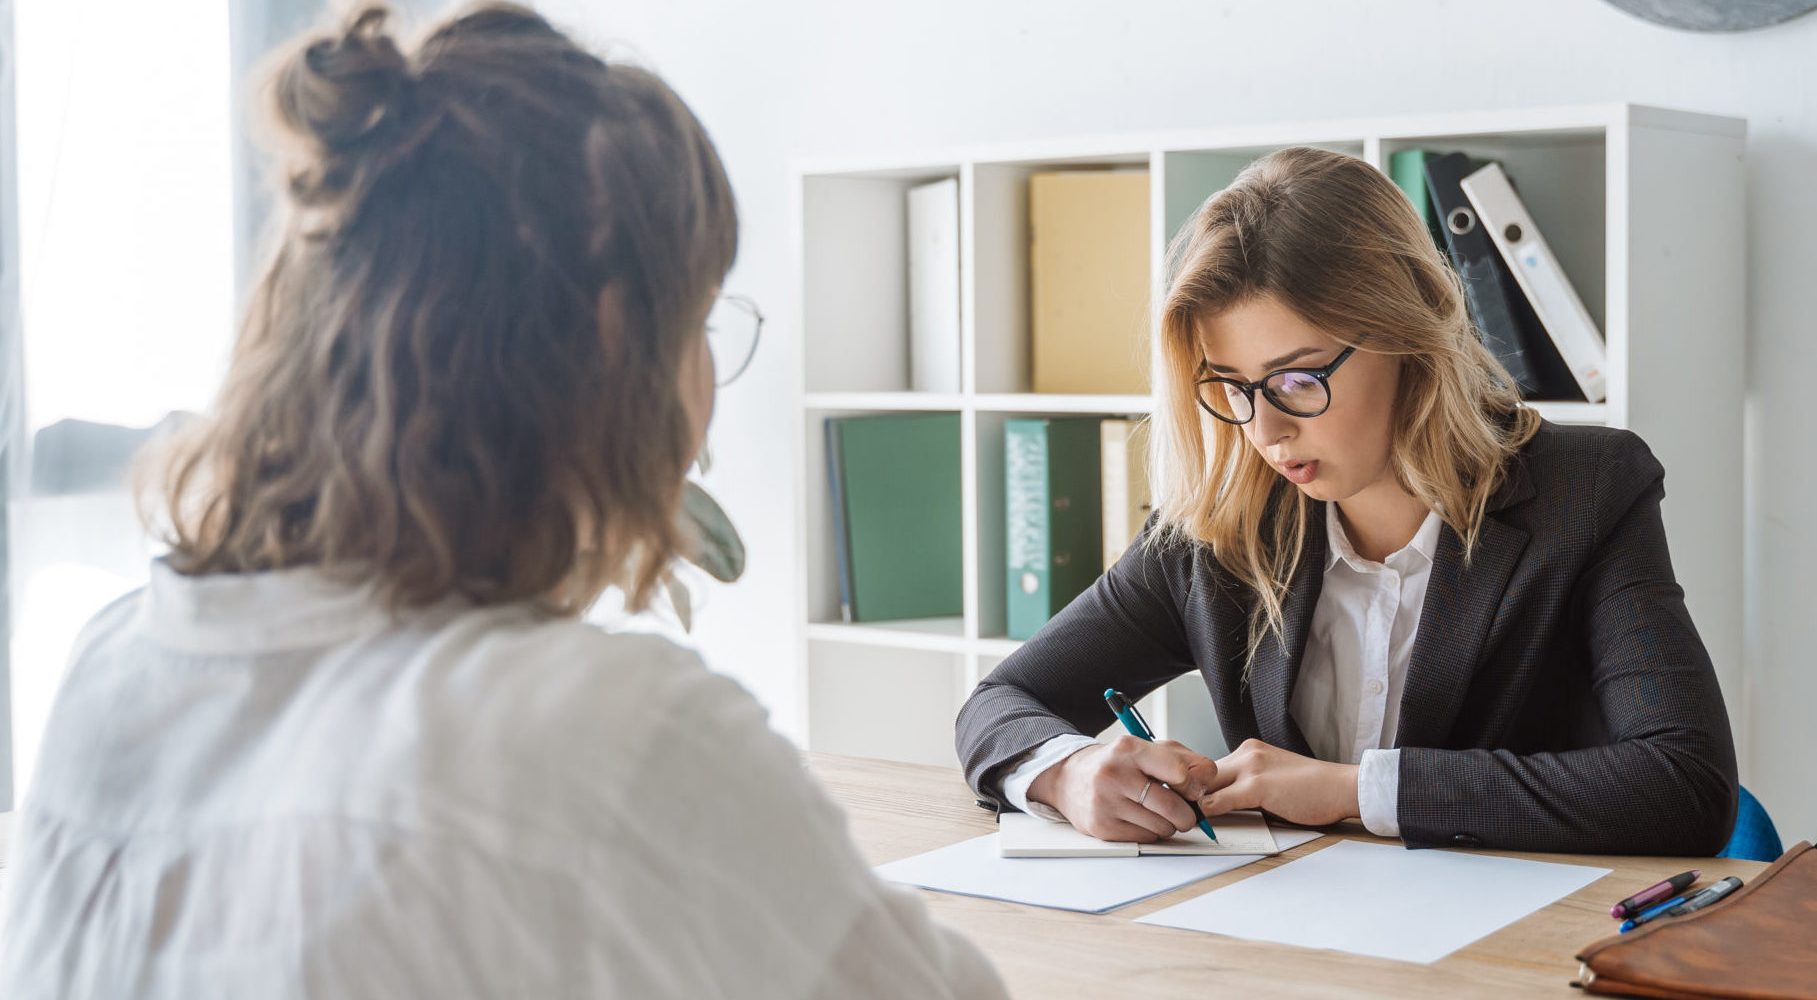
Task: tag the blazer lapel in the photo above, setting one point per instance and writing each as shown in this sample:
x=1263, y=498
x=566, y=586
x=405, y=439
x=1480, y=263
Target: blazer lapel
x=1277, y=662
x=1455, y=619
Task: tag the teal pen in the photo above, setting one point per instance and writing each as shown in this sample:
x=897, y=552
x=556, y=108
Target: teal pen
x=1132, y=720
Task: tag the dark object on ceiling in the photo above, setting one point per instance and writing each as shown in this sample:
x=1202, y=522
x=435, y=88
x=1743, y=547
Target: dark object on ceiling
x=1716, y=15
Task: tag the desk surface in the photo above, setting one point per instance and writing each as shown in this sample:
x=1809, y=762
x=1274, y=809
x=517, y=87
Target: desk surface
x=897, y=810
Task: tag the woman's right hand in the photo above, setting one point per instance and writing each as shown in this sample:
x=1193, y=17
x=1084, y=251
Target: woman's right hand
x=1099, y=789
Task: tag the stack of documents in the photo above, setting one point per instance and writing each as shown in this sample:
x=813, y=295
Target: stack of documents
x=977, y=867
x=1023, y=836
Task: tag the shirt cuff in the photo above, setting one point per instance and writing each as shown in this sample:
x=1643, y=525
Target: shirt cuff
x=1378, y=789
x=1016, y=783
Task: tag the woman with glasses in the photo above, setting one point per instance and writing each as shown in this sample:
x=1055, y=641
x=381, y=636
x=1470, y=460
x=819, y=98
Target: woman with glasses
x=1414, y=602
x=353, y=740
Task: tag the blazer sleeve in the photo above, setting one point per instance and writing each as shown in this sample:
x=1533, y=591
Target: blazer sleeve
x=1125, y=631
x=1665, y=783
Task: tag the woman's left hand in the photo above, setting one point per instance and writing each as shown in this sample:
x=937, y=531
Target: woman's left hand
x=1298, y=789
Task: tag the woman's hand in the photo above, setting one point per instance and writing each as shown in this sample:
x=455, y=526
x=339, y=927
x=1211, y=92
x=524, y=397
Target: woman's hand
x=1298, y=789
x=1113, y=791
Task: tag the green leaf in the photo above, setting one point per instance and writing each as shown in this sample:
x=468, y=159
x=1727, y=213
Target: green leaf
x=713, y=544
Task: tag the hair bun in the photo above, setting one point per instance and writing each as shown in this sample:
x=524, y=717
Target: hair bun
x=340, y=96
x=339, y=87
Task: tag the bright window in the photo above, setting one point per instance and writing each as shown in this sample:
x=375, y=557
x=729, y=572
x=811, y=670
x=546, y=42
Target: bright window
x=125, y=174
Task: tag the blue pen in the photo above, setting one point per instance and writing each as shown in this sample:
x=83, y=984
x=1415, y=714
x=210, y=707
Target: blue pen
x=1653, y=911
x=1132, y=720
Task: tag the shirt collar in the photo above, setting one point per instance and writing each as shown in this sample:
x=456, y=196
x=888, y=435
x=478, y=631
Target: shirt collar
x=244, y=612
x=1422, y=547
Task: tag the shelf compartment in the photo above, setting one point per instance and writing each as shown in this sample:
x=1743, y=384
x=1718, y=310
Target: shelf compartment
x=996, y=277
x=855, y=282
x=1562, y=178
x=820, y=544
x=892, y=704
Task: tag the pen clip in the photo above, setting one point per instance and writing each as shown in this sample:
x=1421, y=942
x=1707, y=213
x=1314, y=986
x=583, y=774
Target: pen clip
x=1133, y=710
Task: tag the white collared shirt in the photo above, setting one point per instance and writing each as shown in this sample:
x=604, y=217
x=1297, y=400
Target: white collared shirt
x=1346, y=699
x=264, y=786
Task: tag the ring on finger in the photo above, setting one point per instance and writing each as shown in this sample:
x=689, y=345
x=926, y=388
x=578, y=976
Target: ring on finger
x=1142, y=799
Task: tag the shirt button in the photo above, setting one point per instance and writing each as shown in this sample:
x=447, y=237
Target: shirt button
x=1375, y=687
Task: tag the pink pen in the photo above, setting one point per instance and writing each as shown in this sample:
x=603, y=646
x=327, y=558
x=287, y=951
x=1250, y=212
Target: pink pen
x=1654, y=893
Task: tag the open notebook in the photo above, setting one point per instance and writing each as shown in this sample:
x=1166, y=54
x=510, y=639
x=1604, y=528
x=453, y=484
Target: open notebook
x=1020, y=835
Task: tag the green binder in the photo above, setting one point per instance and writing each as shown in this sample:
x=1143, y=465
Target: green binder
x=1407, y=168
x=1055, y=523
x=896, y=515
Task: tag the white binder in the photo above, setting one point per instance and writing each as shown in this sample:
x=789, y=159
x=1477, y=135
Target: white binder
x=1537, y=272
x=933, y=285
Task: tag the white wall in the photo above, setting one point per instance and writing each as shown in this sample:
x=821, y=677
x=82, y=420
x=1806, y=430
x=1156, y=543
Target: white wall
x=791, y=78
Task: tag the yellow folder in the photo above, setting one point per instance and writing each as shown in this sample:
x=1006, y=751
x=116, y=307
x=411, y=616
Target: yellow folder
x=1124, y=452
x=1089, y=281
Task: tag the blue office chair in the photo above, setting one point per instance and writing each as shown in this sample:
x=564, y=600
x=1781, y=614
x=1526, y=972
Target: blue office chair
x=1754, y=838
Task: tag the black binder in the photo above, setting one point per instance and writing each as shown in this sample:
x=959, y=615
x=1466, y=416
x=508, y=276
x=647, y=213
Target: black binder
x=1505, y=320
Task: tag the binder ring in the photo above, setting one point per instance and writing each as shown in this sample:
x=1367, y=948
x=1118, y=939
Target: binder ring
x=1461, y=221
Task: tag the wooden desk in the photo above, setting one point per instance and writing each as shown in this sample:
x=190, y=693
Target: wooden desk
x=897, y=810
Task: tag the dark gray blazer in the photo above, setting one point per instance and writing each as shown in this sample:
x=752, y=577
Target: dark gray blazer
x=1558, y=697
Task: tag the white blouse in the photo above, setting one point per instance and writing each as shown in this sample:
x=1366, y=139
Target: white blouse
x=1347, y=695
x=265, y=786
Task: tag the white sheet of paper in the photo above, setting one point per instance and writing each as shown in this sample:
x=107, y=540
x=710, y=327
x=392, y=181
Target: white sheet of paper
x=1091, y=885
x=1372, y=899
x=1023, y=836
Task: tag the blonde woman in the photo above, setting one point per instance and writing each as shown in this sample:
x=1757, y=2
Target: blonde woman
x=352, y=740
x=1413, y=600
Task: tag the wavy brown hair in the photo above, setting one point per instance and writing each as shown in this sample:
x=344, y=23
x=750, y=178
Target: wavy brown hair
x=1334, y=240
x=458, y=373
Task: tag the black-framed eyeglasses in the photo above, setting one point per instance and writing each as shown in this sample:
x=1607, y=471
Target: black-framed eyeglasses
x=1297, y=392
x=733, y=326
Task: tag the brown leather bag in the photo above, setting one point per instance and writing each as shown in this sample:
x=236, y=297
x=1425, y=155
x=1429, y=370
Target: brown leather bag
x=1758, y=944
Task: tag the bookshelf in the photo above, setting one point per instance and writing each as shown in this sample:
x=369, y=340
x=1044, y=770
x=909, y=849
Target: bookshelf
x=1643, y=206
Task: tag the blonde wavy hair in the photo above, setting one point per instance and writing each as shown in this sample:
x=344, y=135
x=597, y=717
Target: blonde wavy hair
x=1334, y=240
x=458, y=372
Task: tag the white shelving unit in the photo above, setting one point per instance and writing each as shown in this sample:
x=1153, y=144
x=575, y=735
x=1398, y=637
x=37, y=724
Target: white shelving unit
x=1643, y=206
